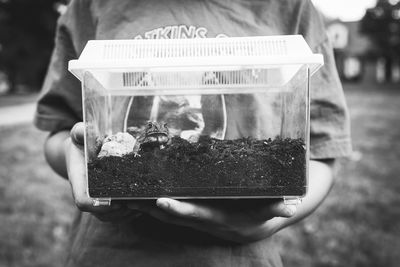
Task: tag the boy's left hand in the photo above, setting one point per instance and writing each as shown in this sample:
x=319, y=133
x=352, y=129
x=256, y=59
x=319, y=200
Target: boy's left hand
x=244, y=220
x=234, y=220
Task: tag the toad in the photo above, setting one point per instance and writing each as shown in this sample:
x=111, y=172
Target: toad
x=154, y=135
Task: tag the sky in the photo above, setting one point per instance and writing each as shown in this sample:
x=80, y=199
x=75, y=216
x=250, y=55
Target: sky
x=346, y=10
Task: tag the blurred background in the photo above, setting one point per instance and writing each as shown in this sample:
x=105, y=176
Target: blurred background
x=359, y=223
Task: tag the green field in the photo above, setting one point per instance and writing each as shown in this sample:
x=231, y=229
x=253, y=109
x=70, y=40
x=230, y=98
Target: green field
x=358, y=225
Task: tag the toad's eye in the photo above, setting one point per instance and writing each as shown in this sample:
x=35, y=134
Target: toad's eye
x=151, y=127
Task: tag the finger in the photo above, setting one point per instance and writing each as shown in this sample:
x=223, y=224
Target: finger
x=257, y=210
x=277, y=209
x=77, y=134
x=151, y=208
x=141, y=205
x=76, y=173
x=219, y=230
x=77, y=178
x=193, y=211
x=118, y=215
x=172, y=217
x=98, y=211
x=159, y=214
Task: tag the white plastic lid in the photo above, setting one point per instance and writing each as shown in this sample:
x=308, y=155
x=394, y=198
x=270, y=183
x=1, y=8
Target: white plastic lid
x=195, y=53
x=112, y=61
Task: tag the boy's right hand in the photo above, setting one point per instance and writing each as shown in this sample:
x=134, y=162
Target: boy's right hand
x=75, y=163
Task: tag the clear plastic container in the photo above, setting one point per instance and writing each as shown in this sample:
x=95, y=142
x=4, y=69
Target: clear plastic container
x=196, y=118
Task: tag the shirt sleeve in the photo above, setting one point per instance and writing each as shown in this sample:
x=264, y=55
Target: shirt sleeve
x=329, y=116
x=60, y=103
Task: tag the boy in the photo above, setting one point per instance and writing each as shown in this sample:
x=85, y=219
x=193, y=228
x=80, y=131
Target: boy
x=169, y=232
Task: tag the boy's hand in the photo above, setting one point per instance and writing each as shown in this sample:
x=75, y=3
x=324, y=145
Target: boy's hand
x=245, y=220
x=234, y=220
x=75, y=161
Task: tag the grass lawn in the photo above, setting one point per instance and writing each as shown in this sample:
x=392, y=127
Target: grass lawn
x=35, y=205
x=12, y=100
x=358, y=224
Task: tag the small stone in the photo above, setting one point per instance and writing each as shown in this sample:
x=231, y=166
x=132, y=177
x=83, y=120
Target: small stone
x=191, y=135
x=117, y=145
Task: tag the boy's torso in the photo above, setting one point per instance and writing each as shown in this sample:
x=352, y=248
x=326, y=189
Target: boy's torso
x=146, y=242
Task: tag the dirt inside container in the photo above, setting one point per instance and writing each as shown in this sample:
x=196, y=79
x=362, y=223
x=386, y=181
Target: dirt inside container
x=243, y=167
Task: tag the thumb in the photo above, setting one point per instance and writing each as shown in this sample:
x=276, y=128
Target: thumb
x=278, y=209
x=77, y=134
x=283, y=210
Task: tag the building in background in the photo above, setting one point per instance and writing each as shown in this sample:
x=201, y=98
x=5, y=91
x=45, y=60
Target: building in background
x=350, y=49
x=369, y=48
x=357, y=57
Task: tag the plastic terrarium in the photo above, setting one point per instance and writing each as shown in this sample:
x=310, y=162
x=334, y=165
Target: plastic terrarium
x=196, y=118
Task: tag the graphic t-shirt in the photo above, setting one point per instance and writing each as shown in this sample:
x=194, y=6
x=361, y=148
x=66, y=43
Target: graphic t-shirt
x=144, y=241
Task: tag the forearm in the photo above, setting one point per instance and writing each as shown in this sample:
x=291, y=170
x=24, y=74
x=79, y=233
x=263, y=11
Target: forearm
x=55, y=153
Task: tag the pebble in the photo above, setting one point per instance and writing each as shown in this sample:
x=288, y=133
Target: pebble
x=117, y=145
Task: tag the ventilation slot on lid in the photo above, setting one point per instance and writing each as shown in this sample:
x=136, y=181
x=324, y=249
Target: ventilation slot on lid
x=194, y=48
x=185, y=80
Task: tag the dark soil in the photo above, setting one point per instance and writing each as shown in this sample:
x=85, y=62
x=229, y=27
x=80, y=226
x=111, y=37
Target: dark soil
x=209, y=168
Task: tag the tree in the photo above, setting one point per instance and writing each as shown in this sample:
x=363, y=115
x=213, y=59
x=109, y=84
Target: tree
x=382, y=25
x=26, y=39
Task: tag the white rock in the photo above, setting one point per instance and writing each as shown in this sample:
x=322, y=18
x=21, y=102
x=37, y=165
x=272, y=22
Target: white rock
x=117, y=145
x=191, y=135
